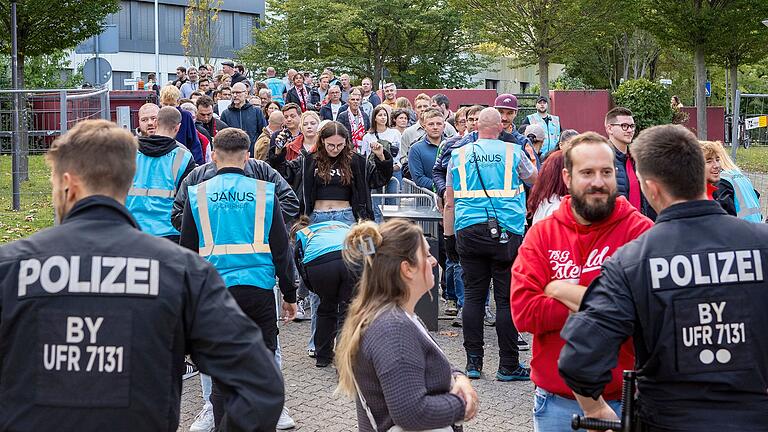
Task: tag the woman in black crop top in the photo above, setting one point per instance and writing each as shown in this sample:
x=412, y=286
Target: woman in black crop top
x=334, y=182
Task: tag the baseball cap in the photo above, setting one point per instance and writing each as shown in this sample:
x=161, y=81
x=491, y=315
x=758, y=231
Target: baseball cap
x=542, y=98
x=505, y=101
x=535, y=130
x=229, y=63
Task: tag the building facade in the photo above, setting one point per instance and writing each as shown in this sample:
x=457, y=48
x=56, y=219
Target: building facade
x=505, y=76
x=136, y=28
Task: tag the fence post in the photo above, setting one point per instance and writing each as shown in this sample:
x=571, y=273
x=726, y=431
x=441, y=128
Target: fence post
x=63, y=111
x=106, y=112
x=735, y=127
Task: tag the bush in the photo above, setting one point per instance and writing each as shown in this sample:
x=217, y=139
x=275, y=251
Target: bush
x=648, y=101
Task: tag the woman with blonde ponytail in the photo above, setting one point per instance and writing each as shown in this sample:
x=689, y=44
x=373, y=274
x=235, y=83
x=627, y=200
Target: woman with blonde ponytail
x=386, y=359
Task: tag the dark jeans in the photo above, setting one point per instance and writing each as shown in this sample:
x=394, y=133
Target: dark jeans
x=483, y=259
x=259, y=305
x=330, y=279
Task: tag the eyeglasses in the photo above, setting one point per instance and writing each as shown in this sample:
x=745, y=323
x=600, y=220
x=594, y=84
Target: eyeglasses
x=335, y=146
x=625, y=126
x=241, y=92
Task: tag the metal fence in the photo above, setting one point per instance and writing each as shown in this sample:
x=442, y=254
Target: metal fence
x=30, y=120
x=415, y=203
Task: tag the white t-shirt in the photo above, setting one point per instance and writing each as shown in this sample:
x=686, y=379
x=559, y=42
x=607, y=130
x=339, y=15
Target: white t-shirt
x=392, y=135
x=546, y=208
x=335, y=110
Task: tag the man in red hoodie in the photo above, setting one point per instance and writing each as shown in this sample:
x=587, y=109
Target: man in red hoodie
x=558, y=259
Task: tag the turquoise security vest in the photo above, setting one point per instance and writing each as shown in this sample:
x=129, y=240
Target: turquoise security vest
x=498, y=163
x=233, y=214
x=150, y=198
x=553, y=131
x=321, y=238
x=745, y=198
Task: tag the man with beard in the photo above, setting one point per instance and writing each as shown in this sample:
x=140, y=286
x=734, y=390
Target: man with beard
x=550, y=123
x=485, y=207
x=559, y=258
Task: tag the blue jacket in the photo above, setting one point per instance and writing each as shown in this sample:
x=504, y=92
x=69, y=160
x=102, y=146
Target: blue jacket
x=248, y=118
x=622, y=183
x=440, y=168
x=187, y=135
x=421, y=159
x=326, y=113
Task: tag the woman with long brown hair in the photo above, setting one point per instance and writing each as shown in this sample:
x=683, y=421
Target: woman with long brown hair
x=385, y=358
x=334, y=182
x=549, y=188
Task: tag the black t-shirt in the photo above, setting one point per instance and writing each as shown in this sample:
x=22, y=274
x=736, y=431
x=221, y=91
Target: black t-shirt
x=334, y=190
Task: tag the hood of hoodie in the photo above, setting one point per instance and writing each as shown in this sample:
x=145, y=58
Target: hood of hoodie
x=156, y=145
x=245, y=106
x=564, y=216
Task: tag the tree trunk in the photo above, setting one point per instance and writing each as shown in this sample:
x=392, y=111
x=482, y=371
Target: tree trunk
x=733, y=80
x=378, y=67
x=701, y=96
x=543, y=75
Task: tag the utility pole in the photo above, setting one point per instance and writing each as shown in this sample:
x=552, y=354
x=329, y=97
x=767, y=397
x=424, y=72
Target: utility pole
x=16, y=142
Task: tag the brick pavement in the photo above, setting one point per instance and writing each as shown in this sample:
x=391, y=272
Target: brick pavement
x=310, y=399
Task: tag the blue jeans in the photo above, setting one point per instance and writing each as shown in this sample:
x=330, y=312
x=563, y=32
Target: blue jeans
x=342, y=215
x=552, y=413
x=205, y=383
x=393, y=187
x=454, y=285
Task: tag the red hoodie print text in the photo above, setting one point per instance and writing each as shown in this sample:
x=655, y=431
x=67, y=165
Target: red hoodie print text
x=564, y=268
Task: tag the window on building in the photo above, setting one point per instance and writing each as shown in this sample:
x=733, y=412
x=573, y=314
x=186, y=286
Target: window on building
x=123, y=20
x=117, y=80
x=525, y=87
x=172, y=19
x=247, y=24
x=492, y=84
x=226, y=29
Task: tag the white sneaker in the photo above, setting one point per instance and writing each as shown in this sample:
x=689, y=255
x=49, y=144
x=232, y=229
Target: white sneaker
x=203, y=420
x=285, y=422
x=300, y=314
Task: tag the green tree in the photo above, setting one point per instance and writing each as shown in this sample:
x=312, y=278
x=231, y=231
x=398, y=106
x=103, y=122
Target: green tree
x=692, y=25
x=45, y=28
x=419, y=43
x=537, y=31
x=201, y=30
x=648, y=101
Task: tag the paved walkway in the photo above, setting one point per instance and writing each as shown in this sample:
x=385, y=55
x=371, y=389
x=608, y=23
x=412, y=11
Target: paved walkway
x=310, y=399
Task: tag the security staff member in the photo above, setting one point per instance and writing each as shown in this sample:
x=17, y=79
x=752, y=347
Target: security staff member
x=550, y=123
x=485, y=206
x=691, y=292
x=161, y=165
x=257, y=169
x=233, y=222
x=97, y=316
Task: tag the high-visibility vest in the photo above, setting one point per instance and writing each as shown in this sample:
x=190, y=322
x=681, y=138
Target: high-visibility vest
x=498, y=162
x=746, y=200
x=150, y=198
x=321, y=238
x=552, y=129
x=233, y=214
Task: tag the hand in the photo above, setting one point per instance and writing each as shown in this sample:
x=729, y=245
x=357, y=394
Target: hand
x=289, y=311
x=604, y=412
x=462, y=388
x=450, y=248
x=596, y=408
x=378, y=150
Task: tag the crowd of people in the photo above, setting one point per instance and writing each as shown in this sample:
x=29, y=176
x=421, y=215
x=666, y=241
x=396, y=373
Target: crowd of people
x=269, y=185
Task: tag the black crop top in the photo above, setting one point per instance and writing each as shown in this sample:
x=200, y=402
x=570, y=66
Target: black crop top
x=334, y=190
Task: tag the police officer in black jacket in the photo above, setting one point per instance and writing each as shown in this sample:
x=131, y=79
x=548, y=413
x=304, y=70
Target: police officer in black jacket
x=97, y=316
x=692, y=293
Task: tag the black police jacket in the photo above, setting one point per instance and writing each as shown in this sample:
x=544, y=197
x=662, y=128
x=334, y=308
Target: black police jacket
x=257, y=169
x=96, y=319
x=692, y=293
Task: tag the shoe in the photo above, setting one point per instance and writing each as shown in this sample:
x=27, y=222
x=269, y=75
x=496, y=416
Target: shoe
x=285, y=421
x=311, y=353
x=450, y=308
x=522, y=373
x=522, y=345
x=203, y=420
x=300, y=314
x=457, y=321
x=190, y=370
x=474, y=366
x=490, y=318
x=323, y=363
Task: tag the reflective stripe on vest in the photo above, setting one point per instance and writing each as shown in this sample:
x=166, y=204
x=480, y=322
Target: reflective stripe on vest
x=258, y=245
x=163, y=193
x=552, y=130
x=507, y=192
x=746, y=202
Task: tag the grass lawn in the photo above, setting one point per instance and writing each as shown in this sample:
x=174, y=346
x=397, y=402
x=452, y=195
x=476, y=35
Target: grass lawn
x=753, y=159
x=36, y=208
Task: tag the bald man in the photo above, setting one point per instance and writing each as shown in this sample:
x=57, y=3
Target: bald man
x=276, y=87
x=261, y=149
x=242, y=115
x=147, y=120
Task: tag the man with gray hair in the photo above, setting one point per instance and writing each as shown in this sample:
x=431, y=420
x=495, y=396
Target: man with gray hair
x=485, y=208
x=190, y=86
x=161, y=165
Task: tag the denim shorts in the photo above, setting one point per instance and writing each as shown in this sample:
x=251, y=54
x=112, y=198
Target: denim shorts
x=552, y=413
x=342, y=215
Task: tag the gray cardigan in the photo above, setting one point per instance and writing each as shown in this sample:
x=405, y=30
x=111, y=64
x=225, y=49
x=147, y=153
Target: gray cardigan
x=404, y=377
